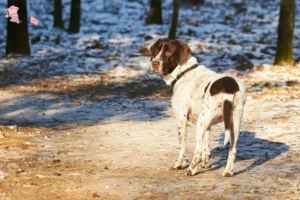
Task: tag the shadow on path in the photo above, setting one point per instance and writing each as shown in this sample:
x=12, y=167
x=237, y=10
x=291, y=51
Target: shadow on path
x=249, y=147
x=86, y=104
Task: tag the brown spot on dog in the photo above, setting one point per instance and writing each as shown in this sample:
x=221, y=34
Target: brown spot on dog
x=226, y=84
x=205, y=89
x=227, y=109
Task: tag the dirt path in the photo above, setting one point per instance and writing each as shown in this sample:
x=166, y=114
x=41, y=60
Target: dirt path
x=116, y=147
x=93, y=123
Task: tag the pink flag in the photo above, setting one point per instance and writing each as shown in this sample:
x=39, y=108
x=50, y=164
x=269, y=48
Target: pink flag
x=34, y=20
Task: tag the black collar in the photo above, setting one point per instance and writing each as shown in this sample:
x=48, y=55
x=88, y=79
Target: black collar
x=183, y=73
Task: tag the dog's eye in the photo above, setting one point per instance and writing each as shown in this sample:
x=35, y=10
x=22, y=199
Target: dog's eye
x=168, y=53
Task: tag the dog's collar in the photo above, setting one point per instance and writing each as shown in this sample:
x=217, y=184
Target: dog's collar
x=180, y=69
x=183, y=73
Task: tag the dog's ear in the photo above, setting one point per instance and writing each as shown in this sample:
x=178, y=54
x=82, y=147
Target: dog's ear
x=151, y=52
x=182, y=51
x=152, y=48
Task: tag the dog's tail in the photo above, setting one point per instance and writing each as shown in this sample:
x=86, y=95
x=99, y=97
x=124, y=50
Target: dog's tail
x=228, y=86
x=227, y=114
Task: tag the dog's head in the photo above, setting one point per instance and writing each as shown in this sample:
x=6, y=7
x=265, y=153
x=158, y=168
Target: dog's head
x=167, y=54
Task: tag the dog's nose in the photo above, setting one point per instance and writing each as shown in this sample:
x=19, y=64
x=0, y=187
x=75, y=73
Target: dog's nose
x=155, y=64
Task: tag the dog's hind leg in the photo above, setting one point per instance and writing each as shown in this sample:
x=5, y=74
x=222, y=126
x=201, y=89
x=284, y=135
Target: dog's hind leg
x=203, y=123
x=234, y=134
x=205, y=163
x=182, y=134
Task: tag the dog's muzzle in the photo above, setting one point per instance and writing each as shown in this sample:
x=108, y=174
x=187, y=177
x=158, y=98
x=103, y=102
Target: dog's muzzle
x=155, y=66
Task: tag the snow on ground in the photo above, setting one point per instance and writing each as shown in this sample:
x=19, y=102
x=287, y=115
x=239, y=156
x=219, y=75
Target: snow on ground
x=221, y=34
x=94, y=123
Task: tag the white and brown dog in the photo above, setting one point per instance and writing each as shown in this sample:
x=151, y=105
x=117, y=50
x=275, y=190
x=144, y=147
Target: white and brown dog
x=202, y=97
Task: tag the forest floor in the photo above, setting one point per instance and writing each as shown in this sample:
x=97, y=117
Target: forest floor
x=84, y=118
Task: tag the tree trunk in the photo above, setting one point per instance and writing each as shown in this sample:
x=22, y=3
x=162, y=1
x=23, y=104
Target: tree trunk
x=17, y=41
x=176, y=5
x=284, y=51
x=58, y=22
x=74, y=25
x=155, y=13
x=193, y=2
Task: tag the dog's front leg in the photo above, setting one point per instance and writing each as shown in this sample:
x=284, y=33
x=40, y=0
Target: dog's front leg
x=182, y=134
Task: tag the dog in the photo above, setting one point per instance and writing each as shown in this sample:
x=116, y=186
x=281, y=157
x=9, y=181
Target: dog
x=202, y=97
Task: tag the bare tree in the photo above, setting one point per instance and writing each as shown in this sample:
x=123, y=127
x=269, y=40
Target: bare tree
x=58, y=22
x=176, y=6
x=284, y=50
x=74, y=25
x=17, y=41
x=155, y=13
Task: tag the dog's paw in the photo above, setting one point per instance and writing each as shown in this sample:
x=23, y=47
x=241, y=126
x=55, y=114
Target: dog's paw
x=180, y=165
x=191, y=171
x=177, y=167
x=205, y=165
x=227, y=173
